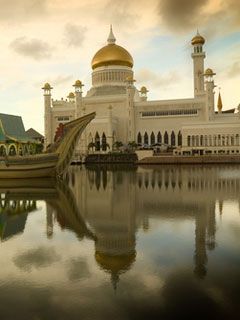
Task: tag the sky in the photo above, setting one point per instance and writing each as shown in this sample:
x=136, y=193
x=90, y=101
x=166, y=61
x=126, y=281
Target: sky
x=54, y=41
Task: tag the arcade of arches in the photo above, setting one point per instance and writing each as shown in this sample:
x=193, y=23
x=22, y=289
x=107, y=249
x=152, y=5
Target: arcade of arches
x=166, y=138
x=18, y=149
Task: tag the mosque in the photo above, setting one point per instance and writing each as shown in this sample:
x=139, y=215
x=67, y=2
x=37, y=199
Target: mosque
x=124, y=113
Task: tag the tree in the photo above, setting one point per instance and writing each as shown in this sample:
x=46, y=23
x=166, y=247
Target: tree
x=117, y=145
x=132, y=145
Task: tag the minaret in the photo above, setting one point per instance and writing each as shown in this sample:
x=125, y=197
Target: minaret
x=47, y=115
x=209, y=81
x=198, y=64
x=130, y=106
x=78, y=98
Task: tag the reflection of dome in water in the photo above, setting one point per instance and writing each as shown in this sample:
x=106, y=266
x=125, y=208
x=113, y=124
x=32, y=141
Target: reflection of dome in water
x=115, y=263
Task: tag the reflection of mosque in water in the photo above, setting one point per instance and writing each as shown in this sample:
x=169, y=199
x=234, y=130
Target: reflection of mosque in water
x=109, y=206
x=118, y=203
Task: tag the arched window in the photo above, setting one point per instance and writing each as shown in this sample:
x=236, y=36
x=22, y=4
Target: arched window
x=152, y=138
x=139, y=138
x=173, y=139
x=166, y=137
x=159, y=137
x=97, y=142
x=193, y=141
x=12, y=151
x=104, y=142
x=188, y=141
x=3, y=151
x=179, y=138
x=145, y=138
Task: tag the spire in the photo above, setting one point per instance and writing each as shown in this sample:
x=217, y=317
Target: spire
x=219, y=105
x=111, y=39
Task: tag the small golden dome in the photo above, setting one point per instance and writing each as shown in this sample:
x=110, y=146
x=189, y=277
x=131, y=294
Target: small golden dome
x=198, y=39
x=71, y=95
x=47, y=86
x=78, y=83
x=144, y=90
x=209, y=72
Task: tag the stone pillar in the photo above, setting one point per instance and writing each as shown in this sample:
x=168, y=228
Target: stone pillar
x=110, y=128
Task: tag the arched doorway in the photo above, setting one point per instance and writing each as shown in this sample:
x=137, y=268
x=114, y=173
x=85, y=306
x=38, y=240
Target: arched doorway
x=166, y=137
x=159, y=137
x=173, y=139
x=145, y=138
x=104, y=142
x=152, y=138
x=179, y=138
x=139, y=138
x=12, y=150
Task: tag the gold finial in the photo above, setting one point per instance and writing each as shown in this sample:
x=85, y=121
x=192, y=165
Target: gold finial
x=219, y=104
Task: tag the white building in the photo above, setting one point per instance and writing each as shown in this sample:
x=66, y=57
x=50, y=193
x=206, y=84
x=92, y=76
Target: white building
x=123, y=113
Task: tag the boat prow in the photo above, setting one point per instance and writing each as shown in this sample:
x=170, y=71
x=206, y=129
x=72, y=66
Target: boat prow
x=46, y=164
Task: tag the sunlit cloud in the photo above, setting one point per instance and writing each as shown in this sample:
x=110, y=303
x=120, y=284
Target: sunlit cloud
x=31, y=48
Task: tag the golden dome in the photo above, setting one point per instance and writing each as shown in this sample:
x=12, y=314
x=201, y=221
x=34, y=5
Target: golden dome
x=209, y=72
x=115, y=263
x=198, y=39
x=112, y=54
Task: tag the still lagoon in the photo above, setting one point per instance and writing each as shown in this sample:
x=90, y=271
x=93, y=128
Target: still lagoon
x=114, y=242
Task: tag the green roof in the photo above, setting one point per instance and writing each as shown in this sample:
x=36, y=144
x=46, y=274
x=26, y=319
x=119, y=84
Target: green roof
x=13, y=128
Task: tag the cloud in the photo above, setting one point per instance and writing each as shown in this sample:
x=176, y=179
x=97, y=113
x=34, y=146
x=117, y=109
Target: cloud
x=181, y=15
x=148, y=77
x=22, y=10
x=36, y=258
x=74, y=35
x=32, y=48
x=213, y=17
x=78, y=269
x=234, y=70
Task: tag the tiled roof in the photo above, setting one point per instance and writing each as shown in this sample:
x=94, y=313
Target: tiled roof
x=33, y=134
x=12, y=128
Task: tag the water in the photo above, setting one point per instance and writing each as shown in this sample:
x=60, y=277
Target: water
x=122, y=243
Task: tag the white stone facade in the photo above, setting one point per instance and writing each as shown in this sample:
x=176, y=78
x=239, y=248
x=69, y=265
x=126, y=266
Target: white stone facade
x=124, y=114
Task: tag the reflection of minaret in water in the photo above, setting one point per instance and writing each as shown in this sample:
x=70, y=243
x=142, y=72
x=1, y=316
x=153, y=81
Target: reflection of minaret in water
x=49, y=213
x=204, y=239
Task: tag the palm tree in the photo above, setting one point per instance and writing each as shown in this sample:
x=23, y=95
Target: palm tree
x=117, y=145
x=132, y=145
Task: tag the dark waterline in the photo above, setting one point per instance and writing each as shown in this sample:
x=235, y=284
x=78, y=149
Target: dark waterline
x=117, y=242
